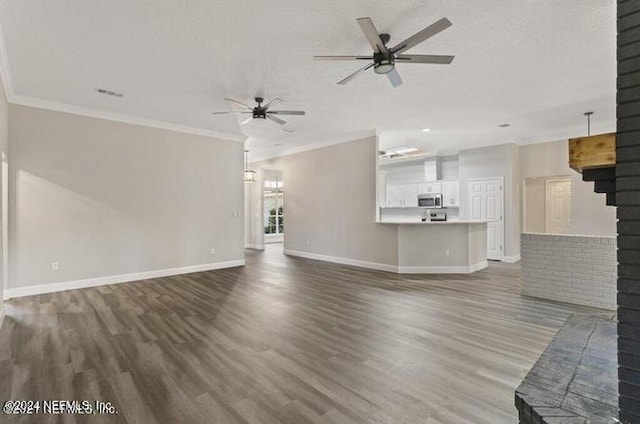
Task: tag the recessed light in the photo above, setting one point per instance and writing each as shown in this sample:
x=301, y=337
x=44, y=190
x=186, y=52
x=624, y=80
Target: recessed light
x=504, y=125
x=426, y=129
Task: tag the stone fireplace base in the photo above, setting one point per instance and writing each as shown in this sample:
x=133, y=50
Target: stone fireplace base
x=575, y=380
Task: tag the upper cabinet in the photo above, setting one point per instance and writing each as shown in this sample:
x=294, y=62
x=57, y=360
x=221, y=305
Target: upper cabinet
x=432, y=169
x=450, y=194
x=400, y=182
x=406, y=195
x=402, y=196
x=430, y=188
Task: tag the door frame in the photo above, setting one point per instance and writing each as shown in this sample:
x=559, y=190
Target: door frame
x=279, y=238
x=546, y=198
x=502, y=226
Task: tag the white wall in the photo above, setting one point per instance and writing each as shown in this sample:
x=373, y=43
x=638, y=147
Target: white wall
x=104, y=198
x=590, y=214
x=330, y=203
x=496, y=161
x=4, y=143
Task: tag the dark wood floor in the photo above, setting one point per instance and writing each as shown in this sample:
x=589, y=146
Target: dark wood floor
x=282, y=340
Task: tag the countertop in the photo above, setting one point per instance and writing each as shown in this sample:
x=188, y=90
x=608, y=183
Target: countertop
x=452, y=222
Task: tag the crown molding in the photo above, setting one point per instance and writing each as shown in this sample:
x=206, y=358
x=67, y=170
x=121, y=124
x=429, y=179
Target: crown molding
x=117, y=117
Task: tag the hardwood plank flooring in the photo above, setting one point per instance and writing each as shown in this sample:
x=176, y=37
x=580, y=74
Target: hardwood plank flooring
x=282, y=340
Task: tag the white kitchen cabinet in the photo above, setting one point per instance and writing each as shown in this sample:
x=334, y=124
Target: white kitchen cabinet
x=402, y=195
x=434, y=187
x=409, y=195
x=450, y=194
x=393, y=196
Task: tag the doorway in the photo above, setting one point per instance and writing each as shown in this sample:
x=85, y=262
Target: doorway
x=558, y=206
x=485, y=203
x=273, y=206
x=547, y=205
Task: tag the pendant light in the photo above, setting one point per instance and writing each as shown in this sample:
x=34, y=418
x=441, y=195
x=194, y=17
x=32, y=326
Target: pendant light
x=249, y=176
x=588, y=115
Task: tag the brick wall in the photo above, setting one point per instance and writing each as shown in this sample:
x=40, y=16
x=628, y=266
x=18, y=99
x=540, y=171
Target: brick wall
x=628, y=200
x=572, y=269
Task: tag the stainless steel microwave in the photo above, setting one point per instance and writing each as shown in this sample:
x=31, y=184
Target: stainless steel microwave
x=430, y=200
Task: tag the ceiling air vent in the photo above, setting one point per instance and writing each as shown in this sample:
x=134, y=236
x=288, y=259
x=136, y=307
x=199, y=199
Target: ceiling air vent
x=109, y=92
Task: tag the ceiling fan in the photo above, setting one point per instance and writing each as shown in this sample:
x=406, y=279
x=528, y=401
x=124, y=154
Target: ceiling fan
x=260, y=111
x=384, y=58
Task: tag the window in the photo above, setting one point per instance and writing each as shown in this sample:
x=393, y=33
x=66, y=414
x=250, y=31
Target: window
x=273, y=204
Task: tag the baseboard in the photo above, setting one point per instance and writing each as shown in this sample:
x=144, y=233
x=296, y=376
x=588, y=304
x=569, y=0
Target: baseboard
x=254, y=246
x=390, y=268
x=442, y=269
x=511, y=259
x=342, y=261
x=116, y=279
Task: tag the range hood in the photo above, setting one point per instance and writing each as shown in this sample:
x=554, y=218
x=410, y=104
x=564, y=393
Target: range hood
x=432, y=168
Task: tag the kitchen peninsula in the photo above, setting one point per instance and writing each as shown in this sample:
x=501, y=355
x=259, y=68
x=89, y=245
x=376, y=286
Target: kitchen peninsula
x=440, y=247
x=420, y=198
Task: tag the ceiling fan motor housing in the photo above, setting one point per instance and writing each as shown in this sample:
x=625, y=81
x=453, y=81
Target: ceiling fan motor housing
x=259, y=112
x=383, y=63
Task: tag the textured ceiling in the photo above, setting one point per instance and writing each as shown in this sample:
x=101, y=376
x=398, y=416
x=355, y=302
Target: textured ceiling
x=536, y=64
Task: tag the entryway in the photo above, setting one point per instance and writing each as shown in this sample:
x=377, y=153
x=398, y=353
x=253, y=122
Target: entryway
x=273, y=205
x=547, y=205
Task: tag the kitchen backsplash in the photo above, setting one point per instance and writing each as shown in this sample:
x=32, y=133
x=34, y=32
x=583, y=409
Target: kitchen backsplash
x=413, y=214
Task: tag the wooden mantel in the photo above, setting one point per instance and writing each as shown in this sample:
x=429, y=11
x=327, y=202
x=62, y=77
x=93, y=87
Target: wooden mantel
x=597, y=151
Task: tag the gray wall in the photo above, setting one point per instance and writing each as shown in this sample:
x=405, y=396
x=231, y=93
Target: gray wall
x=330, y=203
x=590, y=215
x=534, y=215
x=105, y=198
x=496, y=161
x=4, y=145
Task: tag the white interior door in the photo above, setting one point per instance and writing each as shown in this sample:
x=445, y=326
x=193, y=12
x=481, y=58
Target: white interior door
x=485, y=203
x=558, y=206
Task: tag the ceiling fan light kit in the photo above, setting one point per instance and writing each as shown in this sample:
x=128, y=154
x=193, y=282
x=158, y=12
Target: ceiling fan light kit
x=384, y=59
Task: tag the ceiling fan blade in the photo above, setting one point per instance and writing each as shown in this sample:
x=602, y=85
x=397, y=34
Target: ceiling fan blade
x=394, y=78
x=287, y=112
x=246, y=121
x=239, y=104
x=423, y=35
x=231, y=112
x=355, y=74
x=372, y=34
x=424, y=58
x=343, y=57
x=275, y=99
x=274, y=119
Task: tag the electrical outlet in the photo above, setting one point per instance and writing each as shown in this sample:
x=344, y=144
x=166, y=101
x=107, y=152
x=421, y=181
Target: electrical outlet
x=213, y=251
x=447, y=253
x=55, y=266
